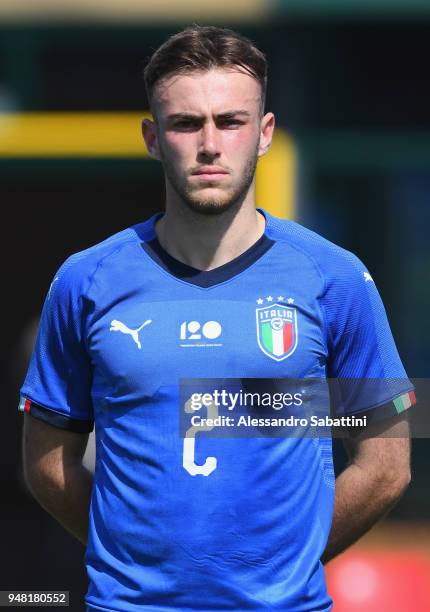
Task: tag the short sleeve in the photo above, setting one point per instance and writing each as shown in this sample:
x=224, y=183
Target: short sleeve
x=362, y=355
x=57, y=388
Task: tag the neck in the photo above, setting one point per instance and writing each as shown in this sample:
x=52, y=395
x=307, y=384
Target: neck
x=206, y=242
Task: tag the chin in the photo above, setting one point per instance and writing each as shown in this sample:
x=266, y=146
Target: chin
x=210, y=207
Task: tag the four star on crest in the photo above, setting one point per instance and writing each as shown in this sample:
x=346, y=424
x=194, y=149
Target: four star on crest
x=280, y=298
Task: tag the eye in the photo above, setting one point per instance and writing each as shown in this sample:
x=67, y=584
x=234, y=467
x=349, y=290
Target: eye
x=186, y=125
x=230, y=123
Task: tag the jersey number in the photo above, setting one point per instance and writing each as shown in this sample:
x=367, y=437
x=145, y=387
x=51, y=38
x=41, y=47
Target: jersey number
x=188, y=454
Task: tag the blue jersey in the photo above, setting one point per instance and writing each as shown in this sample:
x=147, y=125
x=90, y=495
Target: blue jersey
x=205, y=523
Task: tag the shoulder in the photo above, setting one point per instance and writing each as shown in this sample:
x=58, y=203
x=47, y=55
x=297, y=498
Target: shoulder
x=335, y=264
x=78, y=270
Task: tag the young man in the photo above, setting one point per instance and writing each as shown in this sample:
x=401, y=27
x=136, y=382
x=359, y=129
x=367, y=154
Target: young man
x=213, y=288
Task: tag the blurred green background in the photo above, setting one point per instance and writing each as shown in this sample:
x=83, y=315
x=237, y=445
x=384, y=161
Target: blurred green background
x=349, y=84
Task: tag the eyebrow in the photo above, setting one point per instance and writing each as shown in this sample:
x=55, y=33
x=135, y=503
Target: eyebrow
x=225, y=115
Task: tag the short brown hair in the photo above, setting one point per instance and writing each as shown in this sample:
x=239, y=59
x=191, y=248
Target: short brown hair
x=203, y=48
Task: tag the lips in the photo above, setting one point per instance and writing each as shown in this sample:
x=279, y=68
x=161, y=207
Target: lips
x=210, y=173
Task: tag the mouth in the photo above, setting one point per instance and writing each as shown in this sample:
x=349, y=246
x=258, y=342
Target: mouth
x=210, y=173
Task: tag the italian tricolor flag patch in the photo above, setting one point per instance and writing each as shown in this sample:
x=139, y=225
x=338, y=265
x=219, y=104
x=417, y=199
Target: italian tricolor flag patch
x=24, y=404
x=405, y=401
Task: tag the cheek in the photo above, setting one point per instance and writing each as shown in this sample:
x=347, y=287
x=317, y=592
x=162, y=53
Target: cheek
x=243, y=141
x=179, y=146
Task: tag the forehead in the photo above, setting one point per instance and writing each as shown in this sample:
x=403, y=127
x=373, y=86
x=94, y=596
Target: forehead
x=212, y=91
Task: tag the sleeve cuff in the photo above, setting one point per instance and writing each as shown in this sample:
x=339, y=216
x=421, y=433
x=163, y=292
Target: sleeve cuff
x=54, y=418
x=392, y=408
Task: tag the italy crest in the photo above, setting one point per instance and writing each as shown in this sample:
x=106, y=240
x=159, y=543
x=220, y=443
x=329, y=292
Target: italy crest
x=277, y=333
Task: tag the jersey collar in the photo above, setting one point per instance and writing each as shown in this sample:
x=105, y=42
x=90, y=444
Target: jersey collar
x=203, y=278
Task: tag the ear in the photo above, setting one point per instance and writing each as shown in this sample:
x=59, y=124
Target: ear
x=267, y=126
x=149, y=133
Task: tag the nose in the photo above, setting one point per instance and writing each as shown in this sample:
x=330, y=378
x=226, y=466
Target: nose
x=209, y=144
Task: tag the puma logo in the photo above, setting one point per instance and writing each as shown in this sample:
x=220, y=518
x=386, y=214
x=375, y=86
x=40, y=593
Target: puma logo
x=134, y=333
